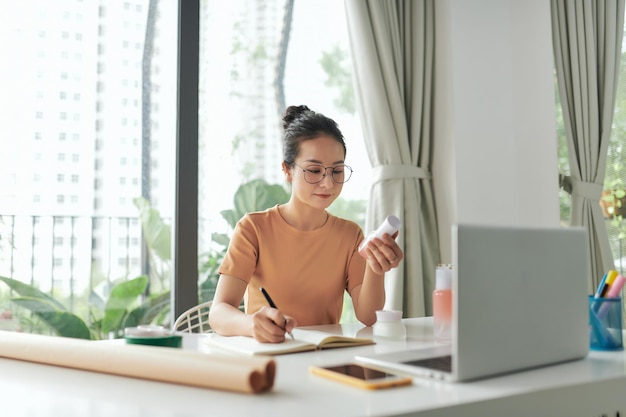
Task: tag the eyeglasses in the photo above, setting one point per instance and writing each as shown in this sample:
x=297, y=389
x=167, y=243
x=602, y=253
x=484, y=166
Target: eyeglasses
x=316, y=173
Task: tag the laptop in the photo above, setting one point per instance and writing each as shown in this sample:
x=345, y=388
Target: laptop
x=519, y=302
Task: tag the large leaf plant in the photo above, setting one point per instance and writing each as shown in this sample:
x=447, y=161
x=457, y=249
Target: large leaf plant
x=123, y=308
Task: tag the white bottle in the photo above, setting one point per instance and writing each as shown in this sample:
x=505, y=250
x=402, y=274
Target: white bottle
x=390, y=225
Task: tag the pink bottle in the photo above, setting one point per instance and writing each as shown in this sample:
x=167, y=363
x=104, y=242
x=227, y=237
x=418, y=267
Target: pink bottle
x=442, y=303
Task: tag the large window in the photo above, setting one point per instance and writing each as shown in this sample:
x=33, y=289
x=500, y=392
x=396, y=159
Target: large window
x=88, y=132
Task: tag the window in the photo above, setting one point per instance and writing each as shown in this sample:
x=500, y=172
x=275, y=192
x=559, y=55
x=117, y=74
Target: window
x=239, y=139
x=614, y=198
x=79, y=95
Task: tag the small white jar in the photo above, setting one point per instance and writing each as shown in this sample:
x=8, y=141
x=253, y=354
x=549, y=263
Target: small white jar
x=389, y=325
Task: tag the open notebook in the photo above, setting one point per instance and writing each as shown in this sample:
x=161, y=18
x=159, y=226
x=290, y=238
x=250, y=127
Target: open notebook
x=519, y=301
x=305, y=340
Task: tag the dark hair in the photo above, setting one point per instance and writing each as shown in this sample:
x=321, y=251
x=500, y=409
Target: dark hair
x=301, y=123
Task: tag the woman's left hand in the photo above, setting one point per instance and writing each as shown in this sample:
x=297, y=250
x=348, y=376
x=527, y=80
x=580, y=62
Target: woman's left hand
x=383, y=254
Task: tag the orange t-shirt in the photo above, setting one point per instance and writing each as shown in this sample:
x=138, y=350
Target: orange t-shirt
x=305, y=272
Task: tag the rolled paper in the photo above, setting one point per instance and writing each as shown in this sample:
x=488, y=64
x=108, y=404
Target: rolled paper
x=206, y=370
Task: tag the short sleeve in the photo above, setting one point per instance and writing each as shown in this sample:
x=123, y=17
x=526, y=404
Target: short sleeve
x=243, y=251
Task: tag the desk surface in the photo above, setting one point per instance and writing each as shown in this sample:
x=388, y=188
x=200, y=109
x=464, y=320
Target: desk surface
x=593, y=386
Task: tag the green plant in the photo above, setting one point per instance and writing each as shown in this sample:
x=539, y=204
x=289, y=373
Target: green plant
x=255, y=195
x=121, y=309
x=158, y=237
x=48, y=310
x=613, y=200
x=336, y=66
x=613, y=204
x=349, y=209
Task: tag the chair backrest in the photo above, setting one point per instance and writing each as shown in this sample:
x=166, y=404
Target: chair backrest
x=194, y=320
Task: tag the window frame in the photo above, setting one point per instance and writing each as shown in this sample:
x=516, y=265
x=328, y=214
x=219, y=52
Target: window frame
x=184, y=286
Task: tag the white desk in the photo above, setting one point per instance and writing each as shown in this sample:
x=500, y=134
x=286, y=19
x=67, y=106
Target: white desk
x=590, y=387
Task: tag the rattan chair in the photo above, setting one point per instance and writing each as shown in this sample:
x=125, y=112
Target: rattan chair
x=194, y=320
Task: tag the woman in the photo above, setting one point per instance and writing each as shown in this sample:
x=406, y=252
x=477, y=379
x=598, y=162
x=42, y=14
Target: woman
x=299, y=253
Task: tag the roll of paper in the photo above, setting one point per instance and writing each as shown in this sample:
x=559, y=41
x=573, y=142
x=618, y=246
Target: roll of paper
x=232, y=373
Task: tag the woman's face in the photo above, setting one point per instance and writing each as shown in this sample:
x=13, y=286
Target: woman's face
x=324, y=151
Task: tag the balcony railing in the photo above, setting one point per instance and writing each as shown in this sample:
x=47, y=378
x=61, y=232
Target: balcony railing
x=71, y=255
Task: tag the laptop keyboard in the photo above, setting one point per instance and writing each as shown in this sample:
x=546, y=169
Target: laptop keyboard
x=439, y=363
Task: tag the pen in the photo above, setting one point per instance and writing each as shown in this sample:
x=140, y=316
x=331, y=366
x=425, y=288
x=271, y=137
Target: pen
x=611, y=276
x=601, y=287
x=271, y=303
x=604, y=286
x=614, y=292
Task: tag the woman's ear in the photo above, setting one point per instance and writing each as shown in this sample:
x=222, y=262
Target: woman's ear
x=287, y=171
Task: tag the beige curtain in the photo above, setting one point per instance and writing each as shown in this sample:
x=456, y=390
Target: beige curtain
x=392, y=43
x=587, y=37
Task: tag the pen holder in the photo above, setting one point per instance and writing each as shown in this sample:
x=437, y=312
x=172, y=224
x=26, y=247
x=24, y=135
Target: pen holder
x=605, y=323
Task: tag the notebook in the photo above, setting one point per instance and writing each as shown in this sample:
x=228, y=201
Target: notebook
x=304, y=340
x=519, y=302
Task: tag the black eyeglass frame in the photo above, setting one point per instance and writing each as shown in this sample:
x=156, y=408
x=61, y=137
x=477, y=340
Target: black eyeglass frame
x=332, y=176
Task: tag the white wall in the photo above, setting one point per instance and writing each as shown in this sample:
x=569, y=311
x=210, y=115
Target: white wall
x=495, y=153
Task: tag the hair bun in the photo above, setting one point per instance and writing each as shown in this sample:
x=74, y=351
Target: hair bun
x=292, y=113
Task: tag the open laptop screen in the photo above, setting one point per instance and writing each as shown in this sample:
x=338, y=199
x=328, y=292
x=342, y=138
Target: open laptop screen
x=519, y=301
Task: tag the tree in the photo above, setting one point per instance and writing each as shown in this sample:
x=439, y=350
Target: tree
x=335, y=64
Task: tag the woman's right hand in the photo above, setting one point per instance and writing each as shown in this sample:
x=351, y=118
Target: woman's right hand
x=269, y=325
